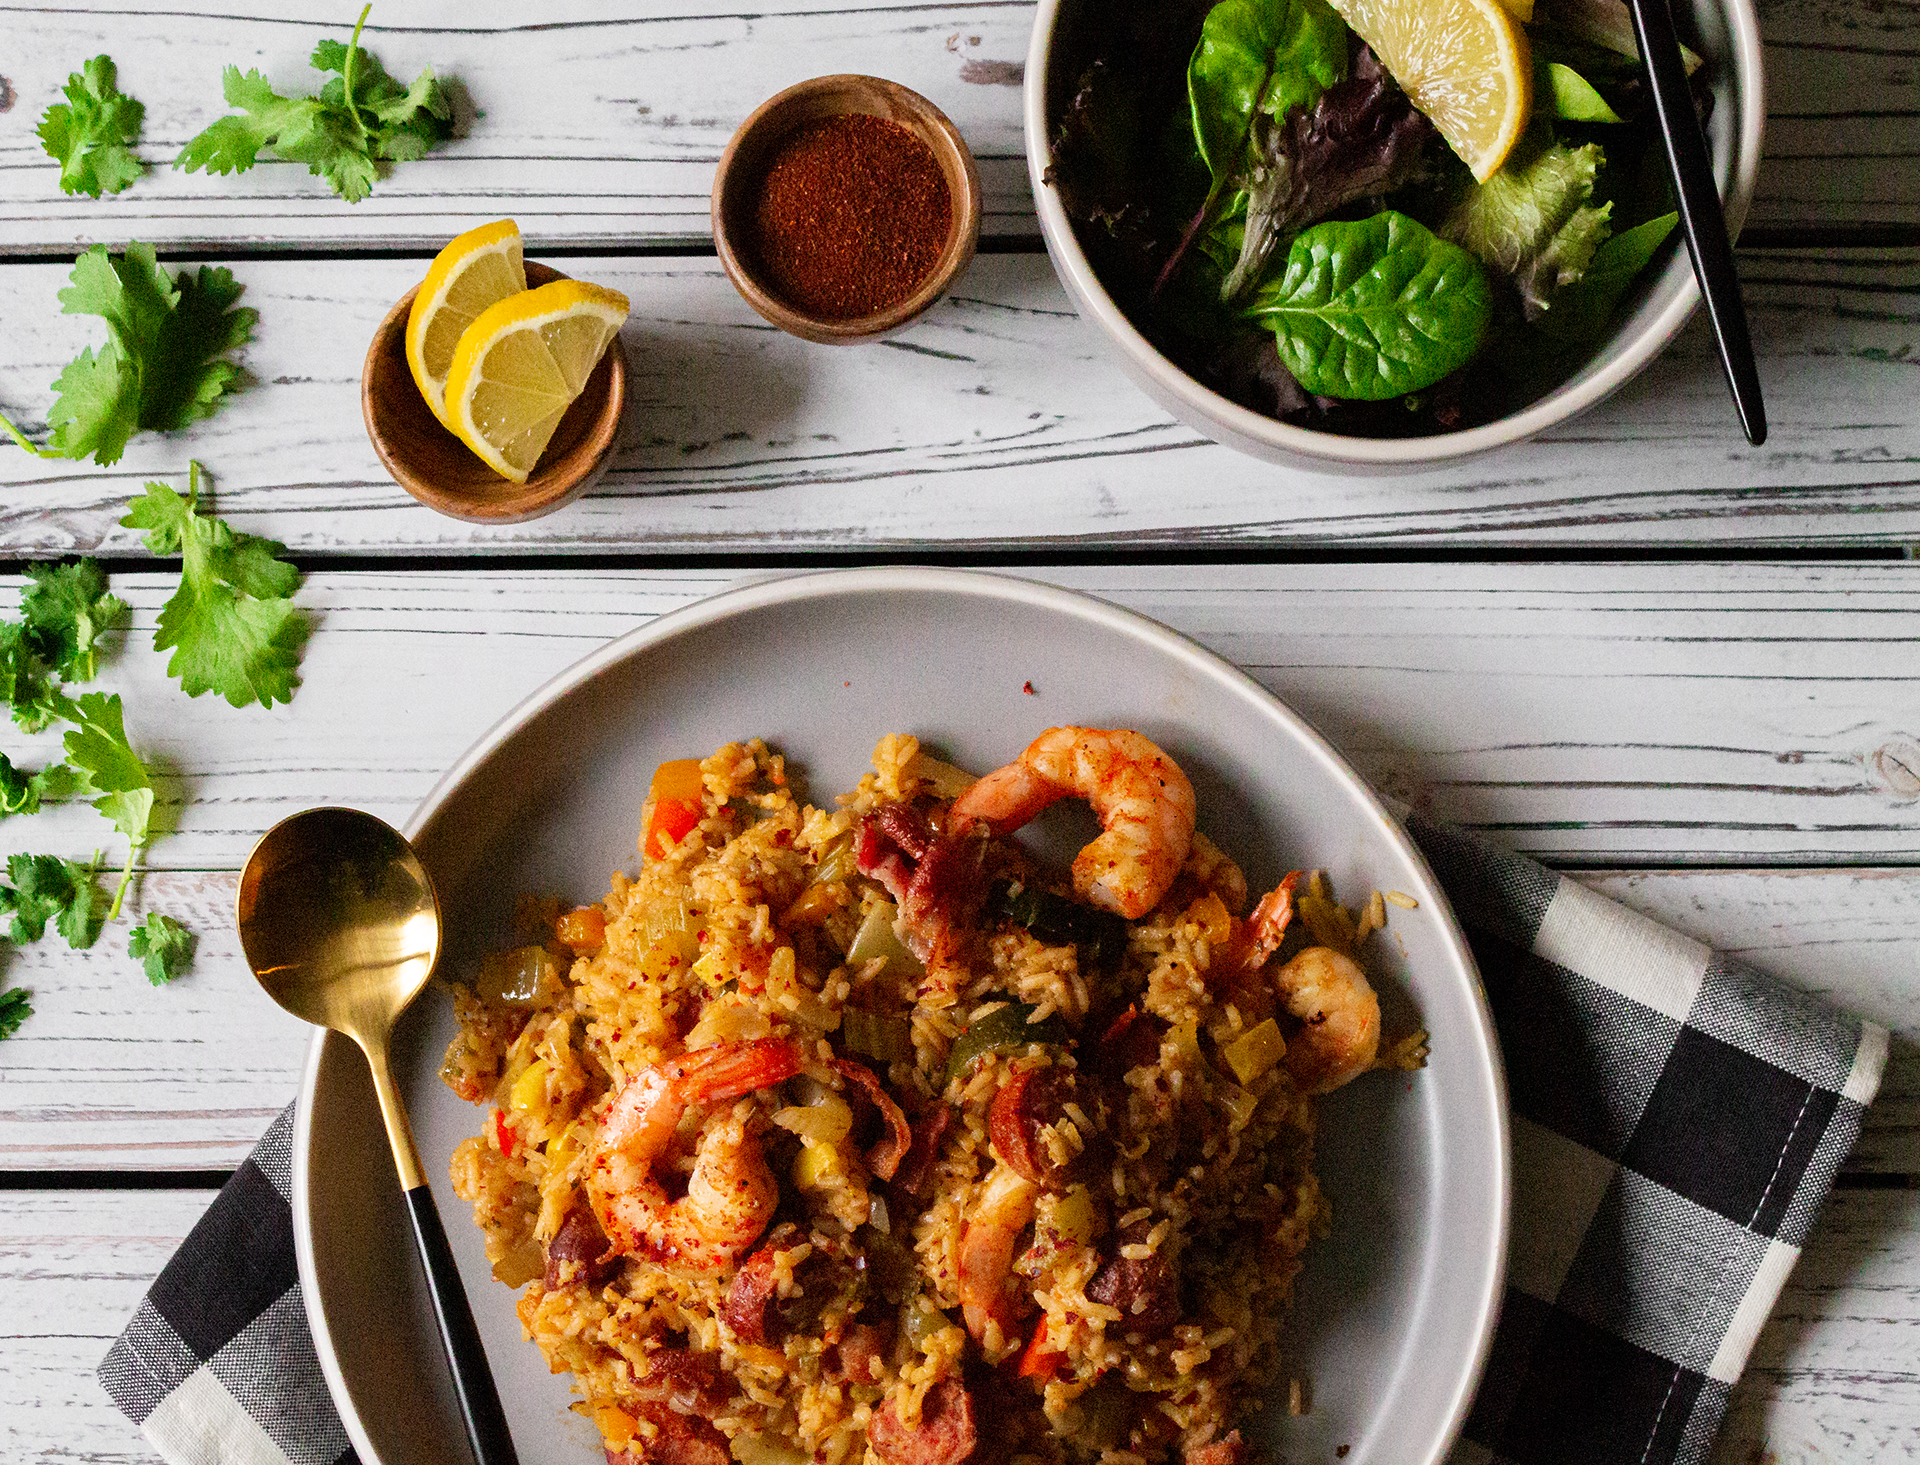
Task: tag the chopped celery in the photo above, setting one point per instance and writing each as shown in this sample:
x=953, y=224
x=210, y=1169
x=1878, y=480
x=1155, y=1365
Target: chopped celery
x=877, y=938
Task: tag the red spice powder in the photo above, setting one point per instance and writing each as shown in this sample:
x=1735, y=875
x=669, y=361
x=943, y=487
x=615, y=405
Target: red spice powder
x=853, y=215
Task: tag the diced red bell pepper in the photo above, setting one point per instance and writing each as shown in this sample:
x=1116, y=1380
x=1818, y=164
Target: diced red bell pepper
x=1040, y=1361
x=674, y=806
x=503, y=1131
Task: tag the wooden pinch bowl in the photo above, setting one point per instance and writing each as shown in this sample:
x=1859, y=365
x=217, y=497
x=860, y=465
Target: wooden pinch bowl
x=444, y=474
x=743, y=167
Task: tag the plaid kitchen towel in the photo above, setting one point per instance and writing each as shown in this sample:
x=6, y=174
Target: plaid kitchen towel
x=1677, y=1120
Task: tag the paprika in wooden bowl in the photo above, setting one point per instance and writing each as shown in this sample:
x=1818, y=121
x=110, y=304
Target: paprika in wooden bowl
x=844, y=207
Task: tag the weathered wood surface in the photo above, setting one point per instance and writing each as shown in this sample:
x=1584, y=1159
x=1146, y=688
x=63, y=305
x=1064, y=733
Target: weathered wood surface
x=998, y=422
x=1758, y=714
x=605, y=128
x=1835, y=1375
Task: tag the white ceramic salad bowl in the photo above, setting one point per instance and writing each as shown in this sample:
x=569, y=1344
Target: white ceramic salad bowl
x=1729, y=36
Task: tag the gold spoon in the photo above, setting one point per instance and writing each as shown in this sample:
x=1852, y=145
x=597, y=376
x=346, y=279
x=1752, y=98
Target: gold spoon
x=340, y=924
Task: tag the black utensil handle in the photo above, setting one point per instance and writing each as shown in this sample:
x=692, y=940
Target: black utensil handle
x=472, y=1380
x=1701, y=217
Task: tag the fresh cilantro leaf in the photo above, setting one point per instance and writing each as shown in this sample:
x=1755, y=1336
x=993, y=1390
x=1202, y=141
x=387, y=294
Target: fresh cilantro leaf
x=48, y=888
x=26, y=681
x=232, y=622
x=112, y=775
x=14, y=1010
x=162, y=366
x=361, y=119
x=88, y=134
x=22, y=792
x=68, y=610
x=163, y=945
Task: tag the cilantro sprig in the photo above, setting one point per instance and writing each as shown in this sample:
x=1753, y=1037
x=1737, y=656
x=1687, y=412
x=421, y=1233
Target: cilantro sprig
x=163, y=946
x=164, y=364
x=48, y=888
x=362, y=120
x=232, y=624
x=66, y=613
x=15, y=1008
x=89, y=135
x=112, y=775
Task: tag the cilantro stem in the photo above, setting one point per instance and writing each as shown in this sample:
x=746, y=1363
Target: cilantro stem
x=347, y=74
x=20, y=439
x=126, y=879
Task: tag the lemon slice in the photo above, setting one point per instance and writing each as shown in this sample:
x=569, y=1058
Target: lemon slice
x=520, y=365
x=481, y=266
x=1464, y=63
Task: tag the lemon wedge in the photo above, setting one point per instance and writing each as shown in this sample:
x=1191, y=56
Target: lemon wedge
x=520, y=365
x=480, y=267
x=1465, y=63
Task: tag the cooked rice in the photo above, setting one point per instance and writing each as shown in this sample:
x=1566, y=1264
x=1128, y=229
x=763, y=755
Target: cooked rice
x=743, y=932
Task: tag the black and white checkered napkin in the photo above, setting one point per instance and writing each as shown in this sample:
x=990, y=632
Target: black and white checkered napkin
x=1677, y=1121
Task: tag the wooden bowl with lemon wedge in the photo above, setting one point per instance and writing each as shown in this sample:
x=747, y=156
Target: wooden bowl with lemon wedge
x=433, y=464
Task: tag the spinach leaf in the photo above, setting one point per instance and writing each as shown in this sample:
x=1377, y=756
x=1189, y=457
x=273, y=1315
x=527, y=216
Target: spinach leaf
x=1374, y=308
x=1582, y=311
x=1255, y=57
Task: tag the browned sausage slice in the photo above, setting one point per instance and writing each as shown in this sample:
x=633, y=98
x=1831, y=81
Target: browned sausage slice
x=945, y=1435
x=581, y=1242
x=1026, y=1104
x=1229, y=1450
x=749, y=1304
x=1145, y=1291
x=916, y=1167
x=884, y=1157
x=682, y=1440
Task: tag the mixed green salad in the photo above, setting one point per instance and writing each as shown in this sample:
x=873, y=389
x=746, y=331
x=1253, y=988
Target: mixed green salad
x=1271, y=210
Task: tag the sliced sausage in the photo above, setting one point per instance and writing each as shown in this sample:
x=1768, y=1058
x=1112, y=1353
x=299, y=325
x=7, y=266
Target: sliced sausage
x=864, y=1345
x=1228, y=1450
x=681, y=1440
x=1131, y=1041
x=581, y=1242
x=748, y=1309
x=686, y=1381
x=1145, y=1290
x=884, y=1156
x=916, y=1166
x=944, y=1436
x=1026, y=1104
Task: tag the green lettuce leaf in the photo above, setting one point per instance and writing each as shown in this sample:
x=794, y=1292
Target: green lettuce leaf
x=1259, y=57
x=1532, y=220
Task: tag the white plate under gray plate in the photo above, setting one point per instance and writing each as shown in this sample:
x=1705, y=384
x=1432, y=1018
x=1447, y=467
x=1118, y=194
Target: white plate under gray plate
x=1395, y=1308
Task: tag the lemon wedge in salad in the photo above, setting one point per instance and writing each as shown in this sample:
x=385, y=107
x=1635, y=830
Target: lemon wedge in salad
x=520, y=365
x=1465, y=63
x=481, y=267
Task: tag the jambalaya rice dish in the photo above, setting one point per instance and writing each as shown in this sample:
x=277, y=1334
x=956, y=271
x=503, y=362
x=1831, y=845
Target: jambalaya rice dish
x=853, y=1134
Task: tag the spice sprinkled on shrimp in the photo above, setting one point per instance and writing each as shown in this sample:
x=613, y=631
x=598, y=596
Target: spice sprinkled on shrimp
x=1142, y=799
x=731, y=1195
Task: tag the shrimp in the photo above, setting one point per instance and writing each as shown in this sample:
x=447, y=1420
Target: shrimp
x=1340, y=1016
x=731, y=1195
x=985, y=1261
x=1142, y=799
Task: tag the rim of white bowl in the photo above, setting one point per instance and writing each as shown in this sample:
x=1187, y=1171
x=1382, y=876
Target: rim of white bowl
x=1090, y=297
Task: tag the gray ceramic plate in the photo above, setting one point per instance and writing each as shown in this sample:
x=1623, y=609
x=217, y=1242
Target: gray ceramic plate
x=1395, y=1308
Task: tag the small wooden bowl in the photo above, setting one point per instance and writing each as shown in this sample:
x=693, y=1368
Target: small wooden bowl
x=736, y=188
x=444, y=474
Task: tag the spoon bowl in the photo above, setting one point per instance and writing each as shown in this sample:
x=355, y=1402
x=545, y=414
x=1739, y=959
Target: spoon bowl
x=339, y=922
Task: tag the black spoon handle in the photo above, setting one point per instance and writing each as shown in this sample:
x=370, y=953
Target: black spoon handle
x=472, y=1380
x=1701, y=216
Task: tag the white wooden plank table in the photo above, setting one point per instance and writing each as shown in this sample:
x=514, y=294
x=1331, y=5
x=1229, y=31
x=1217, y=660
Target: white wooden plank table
x=1685, y=670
